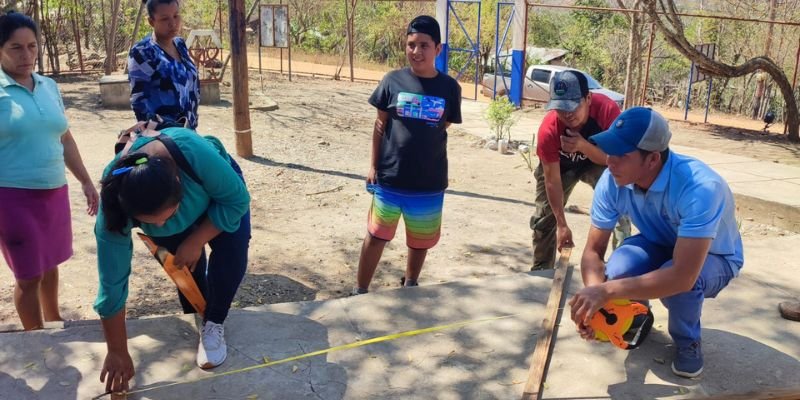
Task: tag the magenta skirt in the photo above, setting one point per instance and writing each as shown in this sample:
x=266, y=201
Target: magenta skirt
x=35, y=230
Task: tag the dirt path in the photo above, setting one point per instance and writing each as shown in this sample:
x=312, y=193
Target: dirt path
x=309, y=205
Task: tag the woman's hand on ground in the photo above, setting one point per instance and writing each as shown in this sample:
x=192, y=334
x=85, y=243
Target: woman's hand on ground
x=117, y=371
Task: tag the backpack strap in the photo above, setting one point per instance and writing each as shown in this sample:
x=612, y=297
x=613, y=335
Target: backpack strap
x=177, y=155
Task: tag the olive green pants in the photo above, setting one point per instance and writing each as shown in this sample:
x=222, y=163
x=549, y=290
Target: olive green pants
x=543, y=222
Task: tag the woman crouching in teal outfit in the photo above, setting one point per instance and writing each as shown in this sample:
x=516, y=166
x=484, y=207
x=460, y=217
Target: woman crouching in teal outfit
x=183, y=190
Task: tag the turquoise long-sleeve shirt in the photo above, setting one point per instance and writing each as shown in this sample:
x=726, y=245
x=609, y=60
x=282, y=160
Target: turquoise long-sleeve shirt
x=223, y=197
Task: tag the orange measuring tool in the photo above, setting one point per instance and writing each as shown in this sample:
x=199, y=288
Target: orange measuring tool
x=614, y=320
x=181, y=276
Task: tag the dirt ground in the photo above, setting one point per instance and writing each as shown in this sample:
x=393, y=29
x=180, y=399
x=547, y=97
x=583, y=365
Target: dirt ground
x=309, y=205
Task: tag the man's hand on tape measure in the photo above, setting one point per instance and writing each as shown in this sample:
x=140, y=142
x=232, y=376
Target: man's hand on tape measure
x=586, y=302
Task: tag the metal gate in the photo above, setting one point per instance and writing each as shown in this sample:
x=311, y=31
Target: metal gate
x=473, y=51
x=499, y=56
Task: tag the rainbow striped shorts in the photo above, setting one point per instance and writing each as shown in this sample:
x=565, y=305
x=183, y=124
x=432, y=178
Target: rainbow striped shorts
x=421, y=212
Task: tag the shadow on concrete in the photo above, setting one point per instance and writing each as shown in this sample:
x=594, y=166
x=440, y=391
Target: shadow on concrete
x=66, y=364
x=485, y=359
x=733, y=364
x=18, y=388
x=252, y=337
x=515, y=254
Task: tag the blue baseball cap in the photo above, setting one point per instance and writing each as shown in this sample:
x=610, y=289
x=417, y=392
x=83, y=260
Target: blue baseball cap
x=636, y=128
x=567, y=89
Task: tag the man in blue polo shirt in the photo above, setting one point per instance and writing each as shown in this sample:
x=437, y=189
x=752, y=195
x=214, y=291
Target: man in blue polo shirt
x=688, y=248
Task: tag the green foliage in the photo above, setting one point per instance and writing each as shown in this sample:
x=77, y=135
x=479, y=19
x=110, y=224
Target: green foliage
x=500, y=116
x=597, y=41
x=545, y=26
x=590, y=38
x=381, y=39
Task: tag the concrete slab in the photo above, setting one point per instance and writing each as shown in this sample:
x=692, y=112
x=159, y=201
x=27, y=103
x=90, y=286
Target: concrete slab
x=747, y=346
x=763, y=169
x=480, y=360
x=711, y=157
x=737, y=176
x=776, y=191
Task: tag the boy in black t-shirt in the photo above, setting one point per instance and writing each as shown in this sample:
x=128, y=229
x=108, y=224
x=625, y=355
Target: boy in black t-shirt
x=408, y=166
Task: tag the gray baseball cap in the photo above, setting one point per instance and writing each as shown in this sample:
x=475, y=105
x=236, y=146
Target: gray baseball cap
x=566, y=90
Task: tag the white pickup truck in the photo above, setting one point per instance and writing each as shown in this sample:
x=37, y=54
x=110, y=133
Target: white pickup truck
x=537, y=84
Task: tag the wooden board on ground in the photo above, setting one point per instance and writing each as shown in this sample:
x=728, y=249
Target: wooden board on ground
x=544, y=341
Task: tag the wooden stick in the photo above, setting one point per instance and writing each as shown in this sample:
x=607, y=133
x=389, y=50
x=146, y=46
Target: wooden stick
x=544, y=340
x=181, y=276
x=336, y=189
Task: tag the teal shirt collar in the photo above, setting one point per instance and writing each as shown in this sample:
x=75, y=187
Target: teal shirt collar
x=6, y=80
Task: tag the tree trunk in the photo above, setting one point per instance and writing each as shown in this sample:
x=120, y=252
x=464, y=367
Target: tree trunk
x=139, y=23
x=76, y=32
x=634, y=38
x=37, y=18
x=758, y=97
x=671, y=27
x=111, y=43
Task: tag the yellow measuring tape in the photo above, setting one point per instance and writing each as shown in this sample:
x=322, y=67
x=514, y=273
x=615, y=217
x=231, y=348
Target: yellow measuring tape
x=352, y=345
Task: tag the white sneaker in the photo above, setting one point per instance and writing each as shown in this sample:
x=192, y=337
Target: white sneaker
x=211, y=351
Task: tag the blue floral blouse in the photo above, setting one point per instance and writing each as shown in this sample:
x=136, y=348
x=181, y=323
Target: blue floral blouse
x=162, y=85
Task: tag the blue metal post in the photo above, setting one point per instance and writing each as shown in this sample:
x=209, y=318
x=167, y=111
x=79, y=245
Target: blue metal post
x=443, y=17
x=519, y=39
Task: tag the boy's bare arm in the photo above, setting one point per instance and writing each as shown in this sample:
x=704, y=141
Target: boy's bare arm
x=377, y=136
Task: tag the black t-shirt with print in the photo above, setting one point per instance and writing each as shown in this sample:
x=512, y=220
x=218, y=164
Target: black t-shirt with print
x=414, y=147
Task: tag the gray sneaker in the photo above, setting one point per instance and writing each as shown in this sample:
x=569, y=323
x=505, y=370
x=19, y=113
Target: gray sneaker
x=211, y=351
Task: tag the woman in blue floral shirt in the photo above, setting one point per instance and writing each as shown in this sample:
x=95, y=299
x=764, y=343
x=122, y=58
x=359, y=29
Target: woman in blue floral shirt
x=163, y=79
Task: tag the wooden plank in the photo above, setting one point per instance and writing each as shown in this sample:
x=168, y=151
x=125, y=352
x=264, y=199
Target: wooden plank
x=544, y=340
x=768, y=394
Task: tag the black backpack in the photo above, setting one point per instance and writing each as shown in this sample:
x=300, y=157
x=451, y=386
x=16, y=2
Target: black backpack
x=172, y=148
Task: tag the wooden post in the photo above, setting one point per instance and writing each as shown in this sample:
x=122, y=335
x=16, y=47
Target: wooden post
x=111, y=48
x=349, y=12
x=649, y=60
x=241, y=97
x=544, y=339
x=219, y=18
